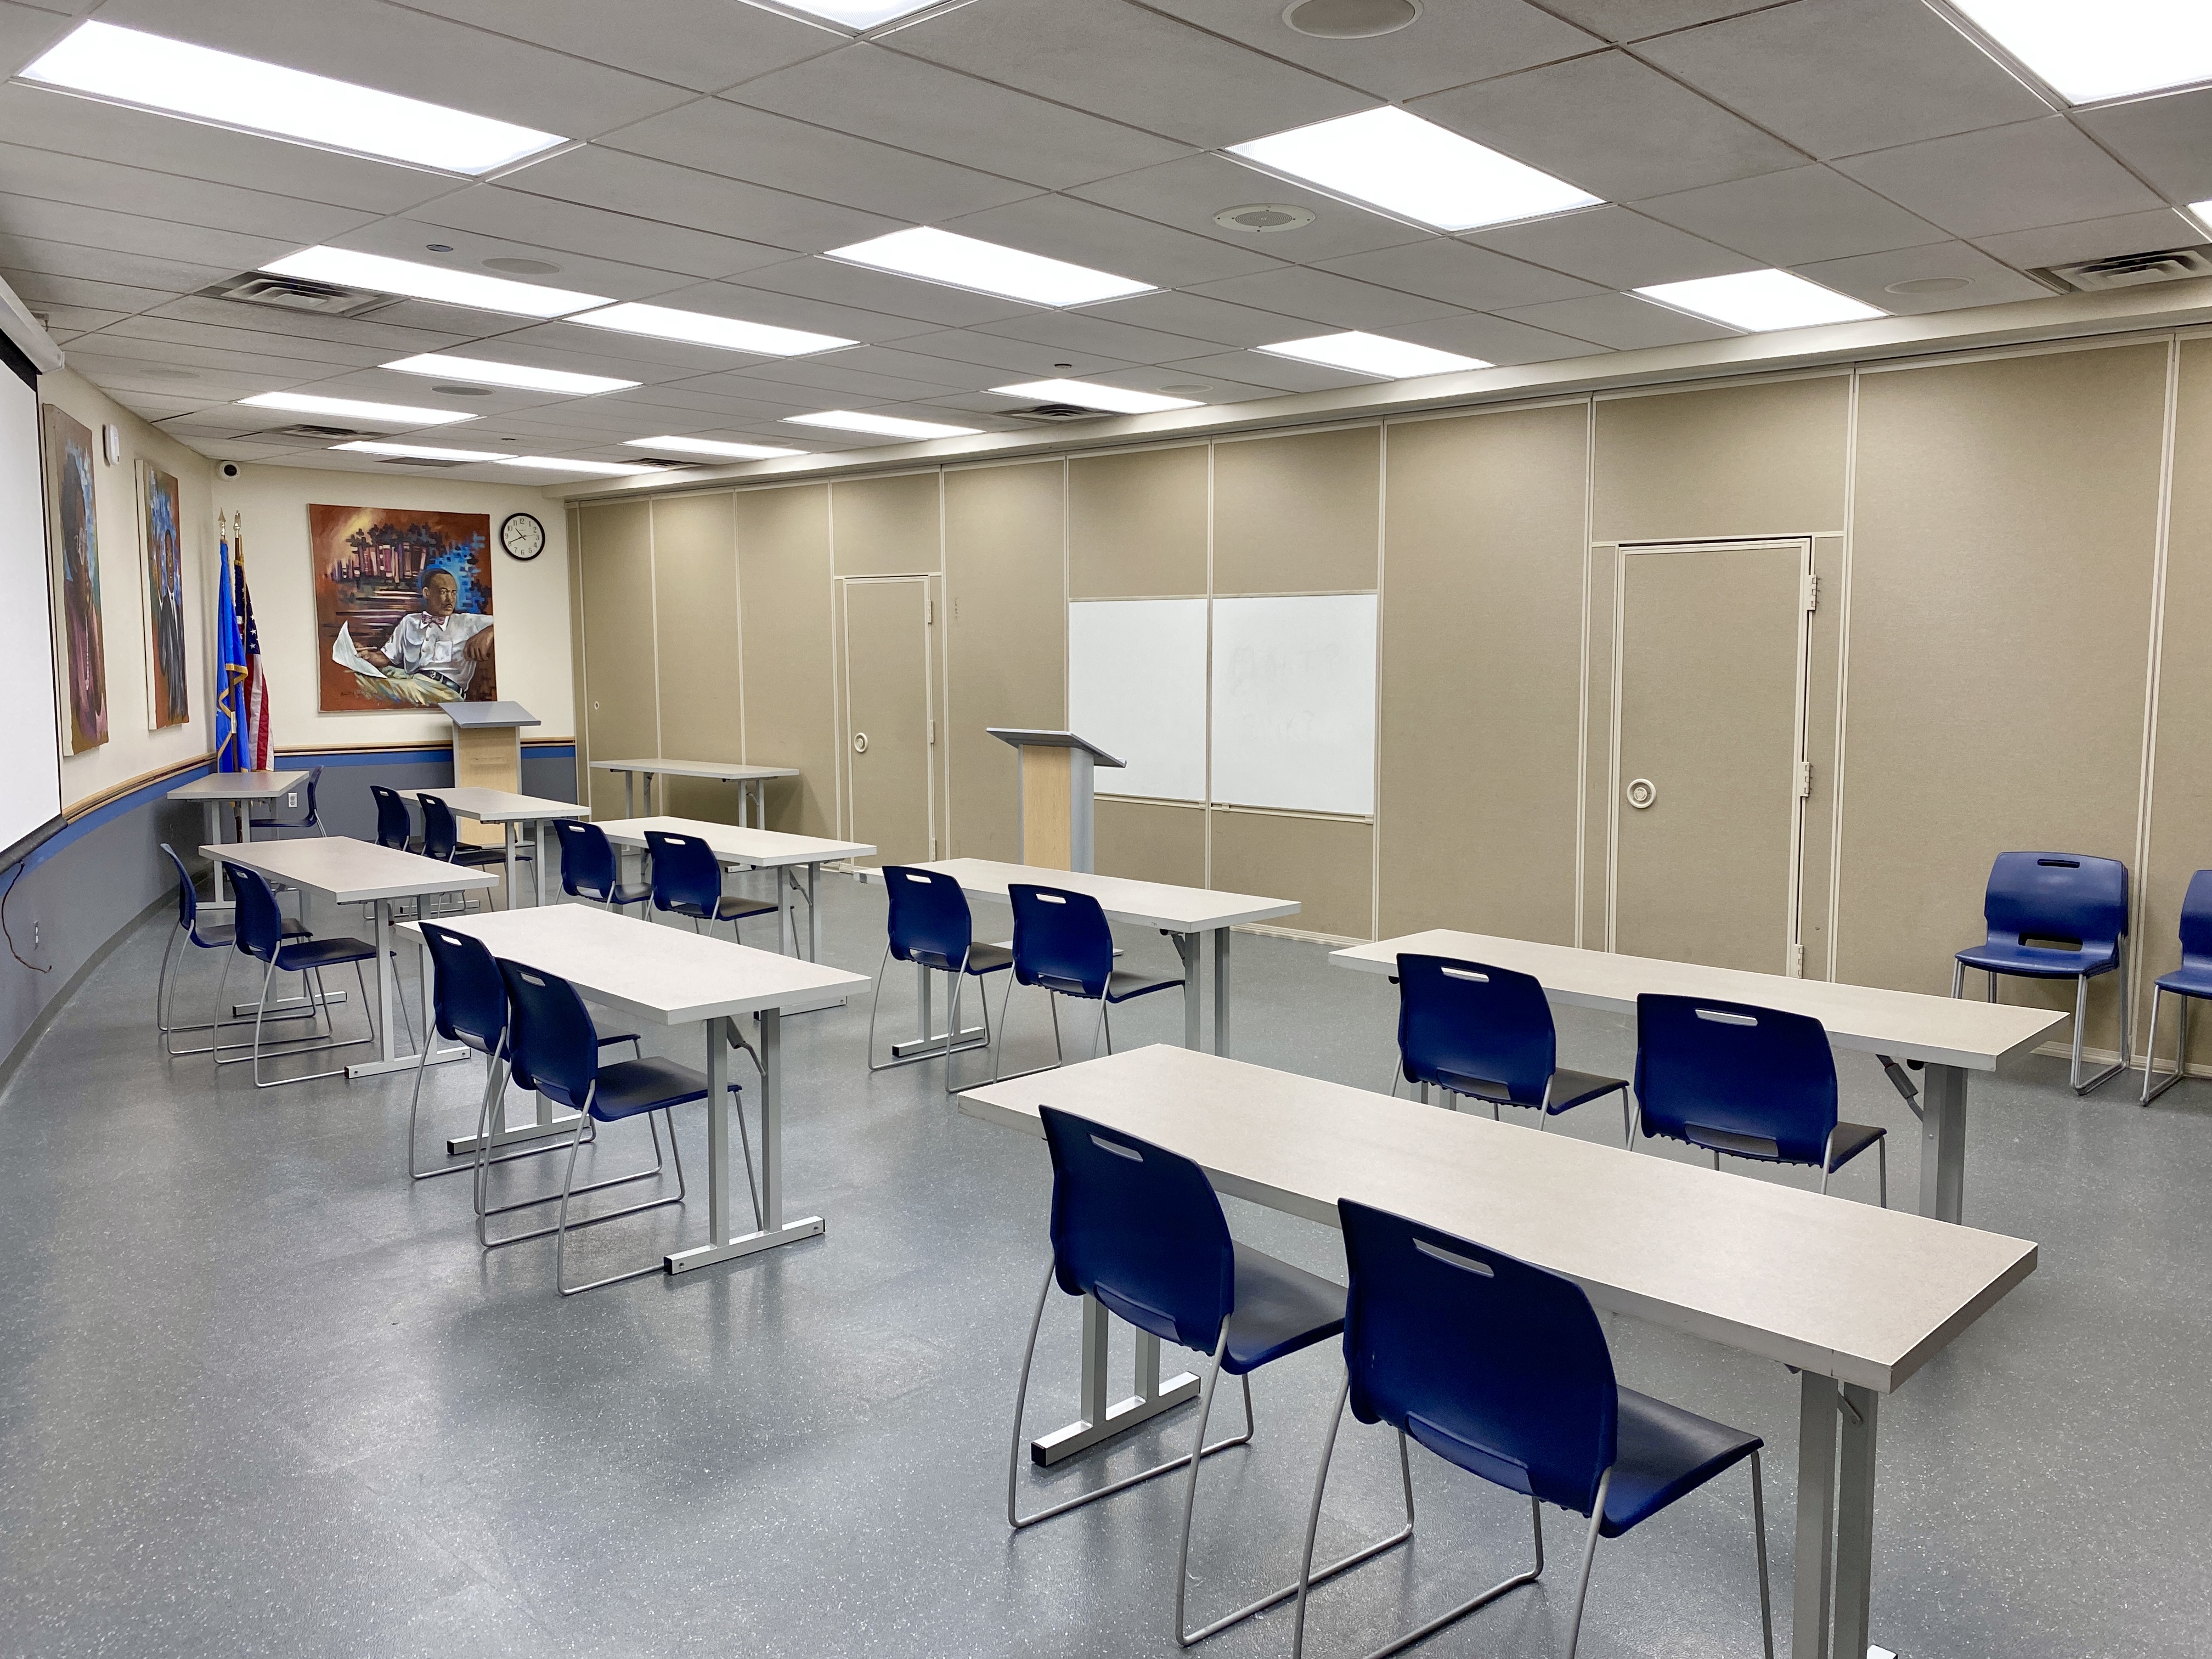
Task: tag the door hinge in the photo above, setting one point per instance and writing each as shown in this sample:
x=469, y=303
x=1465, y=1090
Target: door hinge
x=929, y=613
x=1812, y=590
x=1804, y=780
x=1798, y=960
x=933, y=732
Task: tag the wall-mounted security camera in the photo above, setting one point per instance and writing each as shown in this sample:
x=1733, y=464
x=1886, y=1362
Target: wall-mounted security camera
x=230, y=469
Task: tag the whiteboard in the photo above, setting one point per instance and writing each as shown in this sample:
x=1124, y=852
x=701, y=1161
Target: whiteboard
x=1136, y=687
x=1294, y=703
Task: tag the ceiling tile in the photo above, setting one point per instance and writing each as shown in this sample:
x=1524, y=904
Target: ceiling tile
x=1837, y=77
x=1615, y=127
x=1061, y=227
x=130, y=233
x=573, y=341
x=25, y=32
x=1447, y=45
x=1867, y=275
x=215, y=337
x=1176, y=381
x=395, y=48
x=106, y=368
x=1010, y=359
x=372, y=330
x=1081, y=330
x=1188, y=193
x=867, y=91
x=1200, y=317
x=782, y=153
x=1502, y=340
x=2094, y=239
x=1635, y=19
x=1322, y=297
x=806, y=377
x=1619, y=320
x=756, y=305
x=65, y=323
x=1282, y=373
x=924, y=368
x=412, y=239
x=619, y=182
x=569, y=227
x=1460, y=275
x=1193, y=86
x=104, y=266
x=2168, y=140
x=705, y=44
x=1790, y=218
x=51, y=175
x=2016, y=177
x=881, y=292
x=41, y=289
x=1614, y=247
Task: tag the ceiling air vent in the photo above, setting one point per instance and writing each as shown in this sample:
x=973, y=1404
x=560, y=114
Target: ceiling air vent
x=1058, y=412
x=420, y=460
x=317, y=434
x=257, y=288
x=2134, y=270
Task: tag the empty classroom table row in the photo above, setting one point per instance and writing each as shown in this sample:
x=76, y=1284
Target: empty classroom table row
x=738, y=847
x=751, y=781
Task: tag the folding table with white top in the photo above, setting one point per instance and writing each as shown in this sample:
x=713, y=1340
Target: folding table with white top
x=511, y=811
x=758, y=849
x=752, y=781
x=241, y=791
x=1854, y=1297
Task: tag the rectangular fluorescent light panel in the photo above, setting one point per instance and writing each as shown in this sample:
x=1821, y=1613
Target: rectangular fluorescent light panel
x=699, y=328
x=1404, y=164
x=422, y=281
x=712, y=447
x=596, y=469
x=938, y=256
x=126, y=66
x=303, y=403
x=1758, y=301
x=480, y=372
x=883, y=426
x=1121, y=402
x=2108, y=50
x=1373, y=353
x=859, y=14
x=422, y=452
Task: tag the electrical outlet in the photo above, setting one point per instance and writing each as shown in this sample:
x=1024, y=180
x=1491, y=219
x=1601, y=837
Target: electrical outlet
x=292, y=799
x=35, y=933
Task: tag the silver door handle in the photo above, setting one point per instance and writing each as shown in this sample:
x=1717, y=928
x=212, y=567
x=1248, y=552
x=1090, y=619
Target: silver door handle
x=1641, y=793
x=859, y=743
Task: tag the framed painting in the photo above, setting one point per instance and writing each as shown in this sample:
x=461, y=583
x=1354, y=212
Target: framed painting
x=162, y=551
x=402, y=608
x=73, y=549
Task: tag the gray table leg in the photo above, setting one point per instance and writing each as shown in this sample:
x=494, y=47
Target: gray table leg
x=384, y=981
x=507, y=902
x=814, y=912
x=1192, y=953
x=537, y=865
x=787, y=887
x=1101, y=1421
x=1855, y=1519
x=1943, y=1142
x=1221, y=991
x=1816, y=1514
x=774, y=1230
x=220, y=893
x=630, y=797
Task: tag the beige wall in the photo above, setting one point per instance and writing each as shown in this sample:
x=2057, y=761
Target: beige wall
x=1993, y=572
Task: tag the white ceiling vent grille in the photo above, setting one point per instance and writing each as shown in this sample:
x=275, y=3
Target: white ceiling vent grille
x=419, y=460
x=1058, y=413
x=257, y=288
x=317, y=434
x=2134, y=269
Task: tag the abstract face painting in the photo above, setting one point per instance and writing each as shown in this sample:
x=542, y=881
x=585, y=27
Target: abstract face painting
x=403, y=607
x=167, y=687
x=73, y=548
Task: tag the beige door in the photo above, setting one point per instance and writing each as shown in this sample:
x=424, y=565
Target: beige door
x=889, y=716
x=1708, y=770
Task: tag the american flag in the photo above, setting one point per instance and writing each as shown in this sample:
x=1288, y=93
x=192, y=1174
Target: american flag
x=256, y=709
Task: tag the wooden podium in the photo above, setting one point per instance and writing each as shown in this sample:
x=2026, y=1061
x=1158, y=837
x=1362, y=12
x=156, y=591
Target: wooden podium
x=488, y=755
x=1056, y=800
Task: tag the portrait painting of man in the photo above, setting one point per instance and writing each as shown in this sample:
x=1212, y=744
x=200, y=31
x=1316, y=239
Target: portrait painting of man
x=403, y=607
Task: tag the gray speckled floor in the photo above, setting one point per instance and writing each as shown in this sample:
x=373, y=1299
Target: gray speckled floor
x=260, y=1396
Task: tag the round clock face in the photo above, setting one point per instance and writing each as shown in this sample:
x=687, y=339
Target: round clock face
x=522, y=535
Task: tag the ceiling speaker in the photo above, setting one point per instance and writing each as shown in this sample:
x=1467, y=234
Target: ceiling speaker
x=1350, y=19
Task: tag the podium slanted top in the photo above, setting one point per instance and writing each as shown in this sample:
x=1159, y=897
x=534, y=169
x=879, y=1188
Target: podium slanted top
x=1021, y=738
x=477, y=714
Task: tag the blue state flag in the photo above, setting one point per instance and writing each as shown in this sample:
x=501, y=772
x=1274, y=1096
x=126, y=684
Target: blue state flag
x=231, y=672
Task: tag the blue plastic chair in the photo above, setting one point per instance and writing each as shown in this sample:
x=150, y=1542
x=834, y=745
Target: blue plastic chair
x=929, y=925
x=2055, y=916
x=261, y=932
x=1063, y=944
x=687, y=881
x=1485, y=1033
x=395, y=825
x=308, y=820
x=2191, y=982
x=207, y=936
x=1501, y=1368
x=1139, y=1228
x=1751, y=1082
x=588, y=869
x=553, y=1048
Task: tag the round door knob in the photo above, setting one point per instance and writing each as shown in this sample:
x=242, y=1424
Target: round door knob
x=1641, y=793
x=859, y=743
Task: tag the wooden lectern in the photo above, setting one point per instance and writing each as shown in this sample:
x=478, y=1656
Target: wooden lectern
x=1056, y=768
x=488, y=755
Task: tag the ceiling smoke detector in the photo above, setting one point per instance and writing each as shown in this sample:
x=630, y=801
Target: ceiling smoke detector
x=1350, y=19
x=258, y=287
x=1262, y=218
x=2133, y=270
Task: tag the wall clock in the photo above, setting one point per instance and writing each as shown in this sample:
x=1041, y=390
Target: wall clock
x=522, y=535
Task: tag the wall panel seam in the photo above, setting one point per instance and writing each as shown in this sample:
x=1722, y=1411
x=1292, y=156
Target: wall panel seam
x=1582, y=689
x=2139, y=889
x=1842, y=675
x=1207, y=875
x=652, y=598
x=1381, y=576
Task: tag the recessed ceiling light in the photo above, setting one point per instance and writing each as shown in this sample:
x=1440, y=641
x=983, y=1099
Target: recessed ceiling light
x=713, y=446
x=303, y=403
x=420, y=282
x=1757, y=301
x=2086, y=52
x=859, y=14
x=940, y=256
x=1374, y=353
x=596, y=469
x=1091, y=396
x=1265, y=218
x=700, y=328
x=509, y=374
x=422, y=452
x=1404, y=164
x=150, y=71
x=1350, y=19
x=1929, y=285
x=883, y=426
x=437, y=247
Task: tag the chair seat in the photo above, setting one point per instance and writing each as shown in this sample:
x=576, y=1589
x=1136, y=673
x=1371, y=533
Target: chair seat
x=476, y=855
x=1123, y=983
x=2189, y=980
x=2038, y=961
x=630, y=1086
x=981, y=959
x=731, y=908
x=1852, y=1139
x=1279, y=1309
x=621, y=894
x=213, y=935
x=1570, y=1089
x=323, y=953
x=279, y=823
x=1661, y=1453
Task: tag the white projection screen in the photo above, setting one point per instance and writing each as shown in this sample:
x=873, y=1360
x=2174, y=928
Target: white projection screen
x=30, y=739
x=1294, y=703
x=1136, y=687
